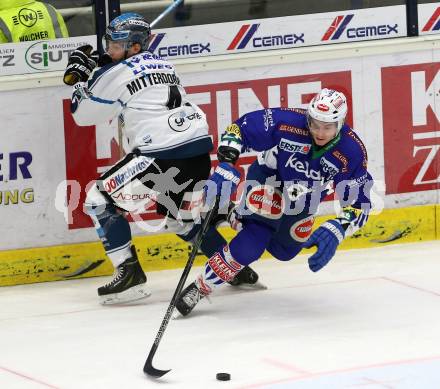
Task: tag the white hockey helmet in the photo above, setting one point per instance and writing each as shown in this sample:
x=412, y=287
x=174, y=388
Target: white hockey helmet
x=328, y=106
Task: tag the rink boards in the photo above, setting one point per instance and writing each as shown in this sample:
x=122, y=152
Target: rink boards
x=166, y=251
x=47, y=161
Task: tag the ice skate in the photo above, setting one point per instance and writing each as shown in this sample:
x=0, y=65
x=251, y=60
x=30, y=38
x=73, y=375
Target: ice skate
x=128, y=284
x=247, y=278
x=189, y=298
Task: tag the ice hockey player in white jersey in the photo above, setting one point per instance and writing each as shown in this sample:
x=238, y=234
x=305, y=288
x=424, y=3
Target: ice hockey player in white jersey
x=169, y=143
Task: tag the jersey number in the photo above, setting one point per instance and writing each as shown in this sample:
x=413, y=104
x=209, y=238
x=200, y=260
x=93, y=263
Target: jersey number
x=174, y=97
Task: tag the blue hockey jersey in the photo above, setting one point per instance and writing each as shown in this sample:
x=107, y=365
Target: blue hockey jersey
x=283, y=138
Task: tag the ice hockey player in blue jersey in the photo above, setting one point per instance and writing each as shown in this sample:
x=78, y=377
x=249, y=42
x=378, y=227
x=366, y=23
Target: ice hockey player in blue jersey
x=169, y=143
x=304, y=156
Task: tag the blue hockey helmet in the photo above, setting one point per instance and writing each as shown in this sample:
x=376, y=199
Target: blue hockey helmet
x=127, y=29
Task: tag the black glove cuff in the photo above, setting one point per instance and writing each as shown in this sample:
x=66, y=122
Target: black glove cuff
x=227, y=154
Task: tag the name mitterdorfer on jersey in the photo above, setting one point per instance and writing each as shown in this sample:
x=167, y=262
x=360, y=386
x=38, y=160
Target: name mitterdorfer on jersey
x=151, y=79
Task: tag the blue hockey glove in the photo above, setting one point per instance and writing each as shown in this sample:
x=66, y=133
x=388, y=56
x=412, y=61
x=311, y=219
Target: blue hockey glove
x=327, y=238
x=223, y=182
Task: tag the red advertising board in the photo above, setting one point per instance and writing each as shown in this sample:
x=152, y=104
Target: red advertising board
x=411, y=114
x=83, y=165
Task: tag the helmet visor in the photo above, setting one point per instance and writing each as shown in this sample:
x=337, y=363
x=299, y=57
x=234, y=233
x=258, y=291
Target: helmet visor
x=111, y=44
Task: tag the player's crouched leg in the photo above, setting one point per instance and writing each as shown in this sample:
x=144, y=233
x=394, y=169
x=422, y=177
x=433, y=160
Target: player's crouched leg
x=212, y=242
x=129, y=282
x=288, y=240
x=220, y=268
x=247, y=247
x=283, y=253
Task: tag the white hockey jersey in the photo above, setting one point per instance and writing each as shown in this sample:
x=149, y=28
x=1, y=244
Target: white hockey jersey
x=145, y=92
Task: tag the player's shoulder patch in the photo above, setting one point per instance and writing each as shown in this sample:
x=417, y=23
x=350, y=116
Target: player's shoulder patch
x=294, y=130
x=357, y=141
x=297, y=110
x=342, y=158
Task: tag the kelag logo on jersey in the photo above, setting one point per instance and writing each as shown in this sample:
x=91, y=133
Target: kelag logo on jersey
x=433, y=24
x=247, y=31
x=49, y=56
x=340, y=24
x=176, y=50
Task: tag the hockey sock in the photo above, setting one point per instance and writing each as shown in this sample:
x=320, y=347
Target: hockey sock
x=220, y=268
x=114, y=231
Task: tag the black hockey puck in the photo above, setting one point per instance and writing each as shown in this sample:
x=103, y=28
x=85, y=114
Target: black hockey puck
x=223, y=376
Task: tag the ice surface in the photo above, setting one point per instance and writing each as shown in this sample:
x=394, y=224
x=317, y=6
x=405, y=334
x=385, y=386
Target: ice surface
x=370, y=319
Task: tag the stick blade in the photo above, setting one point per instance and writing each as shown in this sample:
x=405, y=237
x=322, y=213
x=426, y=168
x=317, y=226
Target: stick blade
x=152, y=371
x=155, y=373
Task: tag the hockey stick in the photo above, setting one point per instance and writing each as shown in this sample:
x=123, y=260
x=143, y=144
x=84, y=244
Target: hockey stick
x=148, y=367
x=166, y=12
x=120, y=137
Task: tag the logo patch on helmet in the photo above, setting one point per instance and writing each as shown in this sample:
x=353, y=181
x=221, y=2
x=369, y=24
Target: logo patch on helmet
x=328, y=106
x=302, y=229
x=266, y=201
x=136, y=22
x=338, y=102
